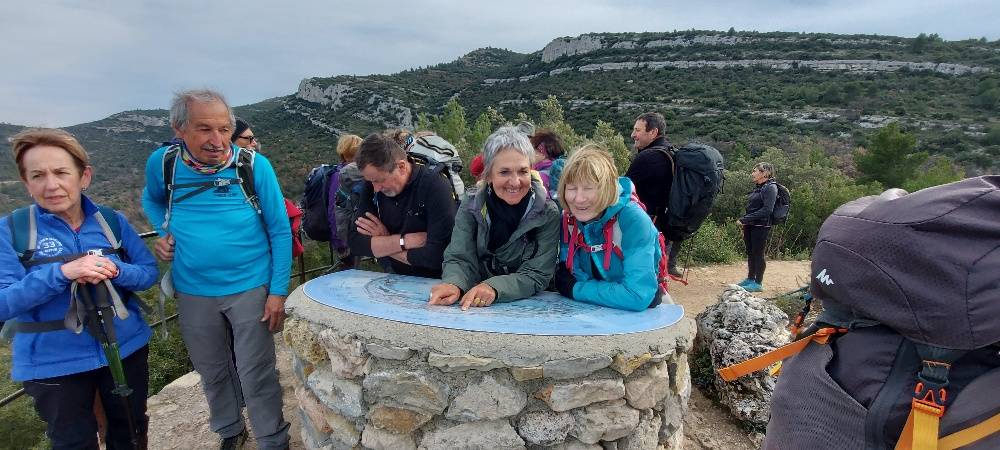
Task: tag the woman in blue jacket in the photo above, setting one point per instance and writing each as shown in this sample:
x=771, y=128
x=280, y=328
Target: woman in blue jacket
x=61, y=369
x=756, y=223
x=609, y=252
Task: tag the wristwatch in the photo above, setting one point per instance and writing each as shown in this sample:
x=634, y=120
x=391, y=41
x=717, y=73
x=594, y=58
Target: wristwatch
x=402, y=242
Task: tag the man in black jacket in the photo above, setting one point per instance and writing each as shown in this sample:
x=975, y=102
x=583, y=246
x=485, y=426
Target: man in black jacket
x=652, y=172
x=406, y=212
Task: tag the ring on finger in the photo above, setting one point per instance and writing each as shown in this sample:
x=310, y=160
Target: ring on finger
x=99, y=264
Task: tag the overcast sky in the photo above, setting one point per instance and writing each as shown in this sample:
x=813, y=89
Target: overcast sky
x=71, y=62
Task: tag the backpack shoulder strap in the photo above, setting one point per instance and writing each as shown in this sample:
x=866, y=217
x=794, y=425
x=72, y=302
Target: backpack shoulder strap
x=24, y=232
x=244, y=170
x=108, y=220
x=169, y=165
x=668, y=152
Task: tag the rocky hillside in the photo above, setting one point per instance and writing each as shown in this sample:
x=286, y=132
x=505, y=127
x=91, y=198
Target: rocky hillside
x=731, y=88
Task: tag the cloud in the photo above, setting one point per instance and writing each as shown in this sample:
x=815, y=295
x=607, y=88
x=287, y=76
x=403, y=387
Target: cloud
x=67, y=63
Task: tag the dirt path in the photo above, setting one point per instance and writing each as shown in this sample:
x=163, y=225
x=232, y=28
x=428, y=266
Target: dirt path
x=708, y=426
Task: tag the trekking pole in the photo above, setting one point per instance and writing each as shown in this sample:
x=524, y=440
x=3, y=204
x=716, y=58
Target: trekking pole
x=100, y=324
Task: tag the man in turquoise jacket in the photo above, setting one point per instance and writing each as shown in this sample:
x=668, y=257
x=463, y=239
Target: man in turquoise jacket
x=231, y=264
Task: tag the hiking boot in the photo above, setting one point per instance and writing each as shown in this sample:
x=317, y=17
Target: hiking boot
x=672, y=271
x=753, y=286
x=234, y=442
x=743, y=284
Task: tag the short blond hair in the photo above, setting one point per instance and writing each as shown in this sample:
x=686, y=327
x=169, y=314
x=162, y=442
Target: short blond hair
x=55, y=137
x=591, y=163
x=347, y=147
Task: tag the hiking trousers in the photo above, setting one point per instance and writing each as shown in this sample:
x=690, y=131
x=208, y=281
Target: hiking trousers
x=66, y=404
x=236, y=368
x=755, y=238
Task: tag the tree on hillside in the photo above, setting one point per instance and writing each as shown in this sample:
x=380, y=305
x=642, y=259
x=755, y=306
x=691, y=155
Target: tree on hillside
x=553, y=119
x=451, y=124
x=483, y=127
x=611, y=139
x=424, y=122
x=941, y=171
x=891, y=159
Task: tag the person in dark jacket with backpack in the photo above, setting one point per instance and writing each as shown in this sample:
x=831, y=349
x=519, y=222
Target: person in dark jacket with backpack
x=406, y=210
x=506, y=234
x=652, y=173
x=756, y=223
x=597, y=203
x=61, y=370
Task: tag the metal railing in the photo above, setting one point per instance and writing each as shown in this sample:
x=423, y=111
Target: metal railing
x=301, y=274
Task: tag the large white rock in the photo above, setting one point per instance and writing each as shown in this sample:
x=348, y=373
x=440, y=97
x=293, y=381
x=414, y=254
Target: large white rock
x=737, y=328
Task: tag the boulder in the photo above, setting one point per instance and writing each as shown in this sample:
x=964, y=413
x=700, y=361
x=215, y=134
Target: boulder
x=737, y=328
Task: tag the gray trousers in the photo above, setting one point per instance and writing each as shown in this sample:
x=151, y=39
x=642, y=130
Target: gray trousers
x=235, y=368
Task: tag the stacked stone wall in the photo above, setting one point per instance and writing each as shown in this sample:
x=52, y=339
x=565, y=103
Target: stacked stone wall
x=360, y=390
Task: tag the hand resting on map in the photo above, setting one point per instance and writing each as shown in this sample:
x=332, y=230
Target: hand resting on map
x=481, y=295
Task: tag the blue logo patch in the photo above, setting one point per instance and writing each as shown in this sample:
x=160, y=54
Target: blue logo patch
x=49, y=247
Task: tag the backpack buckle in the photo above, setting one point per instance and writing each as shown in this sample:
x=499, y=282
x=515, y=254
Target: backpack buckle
x=96, y=252
x=222, y=182
x=596, y=248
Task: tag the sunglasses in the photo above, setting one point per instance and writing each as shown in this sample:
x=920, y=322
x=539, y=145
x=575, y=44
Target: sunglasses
x=250, y=138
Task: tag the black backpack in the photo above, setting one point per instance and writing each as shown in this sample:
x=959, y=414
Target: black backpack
x=698, y=179
x=781, y=205
x=907, y=348
x=315, y=202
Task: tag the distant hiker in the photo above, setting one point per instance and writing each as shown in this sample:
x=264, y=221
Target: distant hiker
x=405, y=213
x=62, y=252
x=756, y=223
x=244, y=137
x=610, y=253
x=506, y=234
x=652, y=173
x=550, y=159
x=230, y=253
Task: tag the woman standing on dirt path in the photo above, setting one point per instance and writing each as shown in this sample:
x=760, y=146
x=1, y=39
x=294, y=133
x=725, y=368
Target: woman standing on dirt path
x=756, y=224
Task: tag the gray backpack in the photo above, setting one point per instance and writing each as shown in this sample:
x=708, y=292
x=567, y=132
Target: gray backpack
x=909, y=346
x=439, y=155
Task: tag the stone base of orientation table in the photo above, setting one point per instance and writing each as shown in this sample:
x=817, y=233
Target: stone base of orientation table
x=365, y=382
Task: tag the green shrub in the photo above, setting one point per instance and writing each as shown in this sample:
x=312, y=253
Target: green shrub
x=713, y=244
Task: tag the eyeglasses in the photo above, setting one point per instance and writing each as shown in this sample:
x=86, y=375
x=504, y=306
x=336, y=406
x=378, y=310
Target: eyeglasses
x=250, y=138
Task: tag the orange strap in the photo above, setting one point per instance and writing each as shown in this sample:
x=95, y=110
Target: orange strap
x=923, y=422
x=971, y=434
x=952, y=441
x=759, y=363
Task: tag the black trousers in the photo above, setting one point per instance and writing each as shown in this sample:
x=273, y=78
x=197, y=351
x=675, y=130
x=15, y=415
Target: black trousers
x=755, y=238
x=66, y=404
